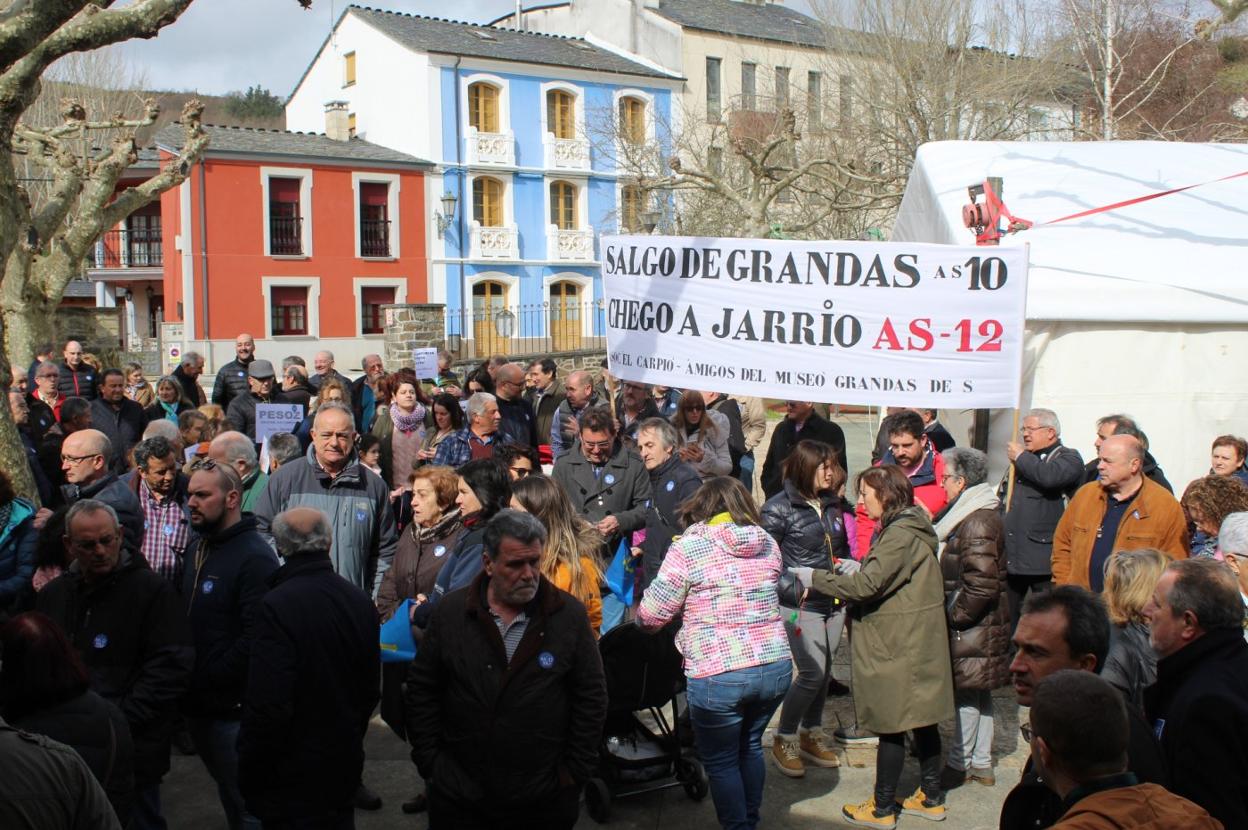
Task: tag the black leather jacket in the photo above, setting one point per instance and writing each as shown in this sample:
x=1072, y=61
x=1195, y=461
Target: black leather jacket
x=806, y=539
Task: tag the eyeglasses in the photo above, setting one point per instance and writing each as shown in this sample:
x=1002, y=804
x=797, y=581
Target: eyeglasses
x=74, y=459
x=1026, y=730
x=948, y=476
x=596, y=445
x=695, y=407
x=521, y=472
x=203, y=464
x=1033, y=429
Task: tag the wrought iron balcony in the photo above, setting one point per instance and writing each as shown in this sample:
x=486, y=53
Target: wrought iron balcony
x=123, y=248
x=374, y=237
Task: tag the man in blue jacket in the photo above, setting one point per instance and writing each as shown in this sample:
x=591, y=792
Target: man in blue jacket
x=227, y=568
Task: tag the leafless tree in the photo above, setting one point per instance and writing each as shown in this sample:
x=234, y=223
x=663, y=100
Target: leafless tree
x=43, y=241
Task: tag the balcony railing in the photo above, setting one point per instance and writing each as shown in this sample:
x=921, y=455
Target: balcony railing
x=494, y=243
x=566, y=153
x=570, y=245
x=561, y=325
x=491, y=148
x=122, y=248
x=375, y=237
x=285, y=235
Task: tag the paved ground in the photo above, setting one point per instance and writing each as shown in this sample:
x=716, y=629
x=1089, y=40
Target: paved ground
x=811, y=803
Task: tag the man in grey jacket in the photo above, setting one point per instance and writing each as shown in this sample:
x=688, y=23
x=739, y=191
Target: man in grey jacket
x=1046, y=474
x=607, y=483
x=332, y=479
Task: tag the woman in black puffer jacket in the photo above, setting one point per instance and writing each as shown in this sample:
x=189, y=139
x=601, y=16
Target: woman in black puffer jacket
x=972, y=562
x=807, y=520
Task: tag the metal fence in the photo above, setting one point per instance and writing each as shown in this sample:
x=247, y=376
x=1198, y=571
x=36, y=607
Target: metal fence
x=122, y=248
x=491, y=328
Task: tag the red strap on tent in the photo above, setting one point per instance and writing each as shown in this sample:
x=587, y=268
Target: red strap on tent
x=1137, y=200
x=998, y=207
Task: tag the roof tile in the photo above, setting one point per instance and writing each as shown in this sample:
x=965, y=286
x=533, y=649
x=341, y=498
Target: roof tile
x=253, y=140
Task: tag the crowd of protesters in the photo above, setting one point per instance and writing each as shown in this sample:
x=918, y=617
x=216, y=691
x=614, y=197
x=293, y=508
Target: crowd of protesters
x=181, y=584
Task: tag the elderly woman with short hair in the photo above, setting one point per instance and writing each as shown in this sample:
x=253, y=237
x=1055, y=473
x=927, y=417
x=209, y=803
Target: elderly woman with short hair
x=1206, y=502
x=672, y=480
x=972, y=562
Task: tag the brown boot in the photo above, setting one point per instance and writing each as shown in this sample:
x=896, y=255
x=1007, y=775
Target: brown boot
x=813, y=747
x=786, y=754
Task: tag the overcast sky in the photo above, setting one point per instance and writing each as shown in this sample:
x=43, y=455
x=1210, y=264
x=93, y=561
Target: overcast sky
x=222, y=45
x=218, y=46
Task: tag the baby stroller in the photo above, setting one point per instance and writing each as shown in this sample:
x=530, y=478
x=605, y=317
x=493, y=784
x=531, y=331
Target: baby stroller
x=643, y=674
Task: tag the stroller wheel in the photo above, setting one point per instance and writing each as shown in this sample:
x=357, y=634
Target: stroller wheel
x=693, y=776
x=598, y=800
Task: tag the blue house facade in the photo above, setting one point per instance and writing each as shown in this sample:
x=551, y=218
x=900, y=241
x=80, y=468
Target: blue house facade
x=529, y=133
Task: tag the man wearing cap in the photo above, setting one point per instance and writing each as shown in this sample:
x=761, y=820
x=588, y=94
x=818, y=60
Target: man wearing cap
x=242, y=411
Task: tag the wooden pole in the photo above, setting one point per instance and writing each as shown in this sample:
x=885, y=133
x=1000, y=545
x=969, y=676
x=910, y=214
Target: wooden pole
x=611, y=393
x=1009, y=486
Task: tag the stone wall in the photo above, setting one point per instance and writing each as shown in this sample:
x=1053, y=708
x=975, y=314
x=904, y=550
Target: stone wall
x=98, y=329
x=422, y=326
x=419, y=326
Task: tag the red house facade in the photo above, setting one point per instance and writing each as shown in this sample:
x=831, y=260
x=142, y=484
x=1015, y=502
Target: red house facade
x=295, y=238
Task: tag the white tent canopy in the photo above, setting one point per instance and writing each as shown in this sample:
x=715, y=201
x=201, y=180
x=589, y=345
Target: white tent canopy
x=1141, y=309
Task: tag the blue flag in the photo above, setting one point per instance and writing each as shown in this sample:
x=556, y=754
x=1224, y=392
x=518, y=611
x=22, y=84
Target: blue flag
x=397, y=644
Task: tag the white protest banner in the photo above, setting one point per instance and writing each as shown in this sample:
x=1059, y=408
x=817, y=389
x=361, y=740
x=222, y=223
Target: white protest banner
x=425, y=362
x=873, y=323
x=272, y=418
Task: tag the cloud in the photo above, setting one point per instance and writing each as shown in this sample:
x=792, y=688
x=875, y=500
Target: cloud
x=217, y=46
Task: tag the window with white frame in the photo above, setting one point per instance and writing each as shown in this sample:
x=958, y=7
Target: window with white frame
x=286, y=193
x=291, y=306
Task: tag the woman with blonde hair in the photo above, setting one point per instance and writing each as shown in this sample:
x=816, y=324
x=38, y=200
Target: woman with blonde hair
x=137, y=387
x=570, y=559
x=703, y=436
x=1130, y=578
x=331, y=390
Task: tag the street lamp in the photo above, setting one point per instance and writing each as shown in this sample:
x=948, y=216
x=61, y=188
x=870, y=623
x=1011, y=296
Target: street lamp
x=447, y=213
x=650, y=220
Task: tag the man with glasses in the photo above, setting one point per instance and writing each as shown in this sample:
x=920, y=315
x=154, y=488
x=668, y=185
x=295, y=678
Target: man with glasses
x=479, y=439
x=84, y=461
x=231, y=379
x=1233, y=541
x=353, y=497
x=607, y=482
x=364, y=391
x=579, y=396
x=1066, y=628
x=242, y=412
x=633, y=406
x=44, y=401
x=43, y=353
x=129, y=628
x=517, y=423
x=1080, y=751
x=1046, y=474
x=801, y=423
x=75, y=376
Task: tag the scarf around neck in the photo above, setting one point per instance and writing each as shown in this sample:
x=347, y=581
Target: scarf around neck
x=405, y=422
x=971, y=499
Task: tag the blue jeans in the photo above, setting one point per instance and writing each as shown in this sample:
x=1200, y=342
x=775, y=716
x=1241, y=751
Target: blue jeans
x=729, y=713
x=216, y=741
x=746, y=475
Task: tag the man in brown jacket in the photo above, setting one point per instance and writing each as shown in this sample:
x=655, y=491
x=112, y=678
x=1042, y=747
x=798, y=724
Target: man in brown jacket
x=1121, y=510
x=1081, y=753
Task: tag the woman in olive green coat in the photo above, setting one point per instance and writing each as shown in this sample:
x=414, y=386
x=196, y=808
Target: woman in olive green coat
x=899, y=643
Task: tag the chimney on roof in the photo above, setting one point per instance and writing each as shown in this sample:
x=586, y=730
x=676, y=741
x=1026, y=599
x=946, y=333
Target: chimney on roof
x=337, y=123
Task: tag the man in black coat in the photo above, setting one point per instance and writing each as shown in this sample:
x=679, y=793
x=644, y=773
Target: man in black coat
x=364, y=392
x=1046, y=475
x=518, y=424
x=228, y=567
x=118, y=417
x=77, y=377
x=633, y=406
x=1118, y=424
x=801, y=423
x=313, y=680
x=187, y=375
x=242, y=412
x=83, y=457
x=506, y=698
x=1066, y=628
x=671, y=482
x=129, y=629
x=232, y=377
x=1199, y=704
x=544, y=395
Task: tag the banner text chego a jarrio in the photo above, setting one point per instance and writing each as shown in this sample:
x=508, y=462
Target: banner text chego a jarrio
x=883, y=323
